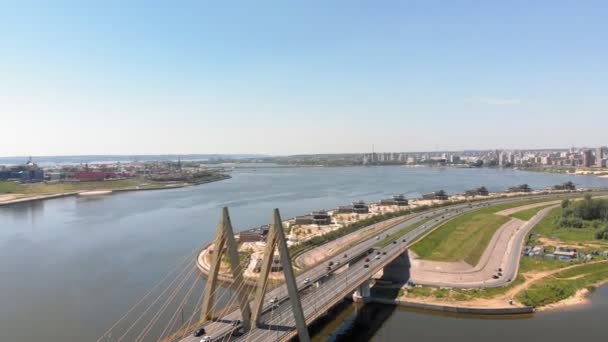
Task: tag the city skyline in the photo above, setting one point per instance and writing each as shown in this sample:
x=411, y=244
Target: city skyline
x=285, y=79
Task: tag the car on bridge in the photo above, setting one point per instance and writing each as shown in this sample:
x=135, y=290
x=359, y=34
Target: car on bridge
x=199, y=332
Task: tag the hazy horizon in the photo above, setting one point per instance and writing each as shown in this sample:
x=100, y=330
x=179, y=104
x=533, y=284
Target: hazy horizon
x=260, y=155
x=279, y=78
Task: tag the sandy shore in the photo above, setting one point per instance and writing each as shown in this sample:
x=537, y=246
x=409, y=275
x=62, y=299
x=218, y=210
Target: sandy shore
x=579, y=298
x=95, y=193
x=19, y=199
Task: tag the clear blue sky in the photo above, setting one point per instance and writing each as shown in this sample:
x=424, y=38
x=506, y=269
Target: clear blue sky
x=284, y=77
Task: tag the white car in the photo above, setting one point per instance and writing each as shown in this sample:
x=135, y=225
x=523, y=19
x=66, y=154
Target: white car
x=307, y=280
x=377, y=257
x=206, y=339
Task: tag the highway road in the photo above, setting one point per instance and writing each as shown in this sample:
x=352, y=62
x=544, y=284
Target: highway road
x=340, y=282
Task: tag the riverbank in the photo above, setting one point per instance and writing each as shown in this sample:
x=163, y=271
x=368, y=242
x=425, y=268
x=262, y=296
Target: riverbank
x=459, y=309
x=511, y=295
x=313, y=255
x=545, y=283
x=10, y=195
x=571, y=171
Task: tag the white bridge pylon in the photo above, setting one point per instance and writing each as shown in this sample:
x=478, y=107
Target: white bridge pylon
x=276, y=239
x=225, y=237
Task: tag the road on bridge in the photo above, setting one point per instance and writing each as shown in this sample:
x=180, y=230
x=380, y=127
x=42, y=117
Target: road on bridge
x=340, y=282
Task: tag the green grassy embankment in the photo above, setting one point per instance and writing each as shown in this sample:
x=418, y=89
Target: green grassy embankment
x=548, y=228
x=460, y=295
x=62, y=187
x=564, y=284
x=465, y=238
x=526, y=215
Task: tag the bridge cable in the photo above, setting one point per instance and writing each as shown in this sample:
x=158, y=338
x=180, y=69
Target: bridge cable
x=179, y=308
x=163, y=307
x=172, y=269
x=154, y=302
x=249, y=292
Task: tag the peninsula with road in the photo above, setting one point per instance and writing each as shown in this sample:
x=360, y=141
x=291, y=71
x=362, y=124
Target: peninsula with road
x=478, y=252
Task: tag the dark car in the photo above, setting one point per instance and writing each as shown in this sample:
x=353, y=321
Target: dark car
x=378, y=252
x=384, y=253
x=404, y=240
x=395, y=242
x=495, y=276
x=366, y=259
x=366, y=266
x=499, y=269
x=331, y=263
x=329, y=268
x=199, y=332
x=346, y=256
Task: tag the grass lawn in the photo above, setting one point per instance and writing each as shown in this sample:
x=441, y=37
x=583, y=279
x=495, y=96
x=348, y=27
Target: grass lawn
x=549, y=229
x=463, y=294
x=564, y=284
x=490, y=292
x=527, y=214
x=528, y=264
x=465, y=238
x=55, y=188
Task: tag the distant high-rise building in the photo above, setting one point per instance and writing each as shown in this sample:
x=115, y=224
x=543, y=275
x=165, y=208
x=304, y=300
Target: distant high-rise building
x=599, y=155
x=587, y=158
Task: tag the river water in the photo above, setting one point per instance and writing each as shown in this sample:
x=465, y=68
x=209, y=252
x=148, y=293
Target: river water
x=70, y=267
x=385, y=323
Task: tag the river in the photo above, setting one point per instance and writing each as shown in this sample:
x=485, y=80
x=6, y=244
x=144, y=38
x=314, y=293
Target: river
x=70, y=267
x=374, y=322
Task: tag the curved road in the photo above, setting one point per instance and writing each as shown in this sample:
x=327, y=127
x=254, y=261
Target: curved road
x=339, y=283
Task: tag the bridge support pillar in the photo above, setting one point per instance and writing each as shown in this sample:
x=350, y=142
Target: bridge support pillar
x=225, y=238
x=276, y=239
x=362, y=292
x=398, y=271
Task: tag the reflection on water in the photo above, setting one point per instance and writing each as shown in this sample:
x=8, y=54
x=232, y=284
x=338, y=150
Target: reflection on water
x=356, y=322
x=81, y=262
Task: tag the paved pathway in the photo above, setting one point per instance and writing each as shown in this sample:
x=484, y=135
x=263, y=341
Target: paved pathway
x=503, y=252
